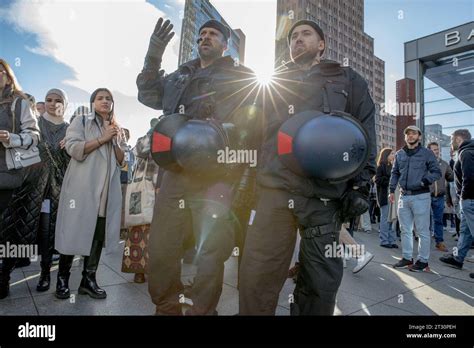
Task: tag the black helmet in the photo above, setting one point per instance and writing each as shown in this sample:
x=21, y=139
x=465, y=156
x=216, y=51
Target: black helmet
x=332, y=147
x=196, y=145
x=180, y=143
x=161, y=140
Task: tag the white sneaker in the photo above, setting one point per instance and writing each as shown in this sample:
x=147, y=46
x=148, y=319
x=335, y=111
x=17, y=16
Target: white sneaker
x=362, y=262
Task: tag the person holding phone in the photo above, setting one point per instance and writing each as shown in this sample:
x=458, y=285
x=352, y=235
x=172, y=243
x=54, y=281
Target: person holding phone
x=91, y=199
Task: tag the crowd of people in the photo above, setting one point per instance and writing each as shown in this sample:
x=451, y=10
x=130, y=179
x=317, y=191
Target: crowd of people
x=65, y=194
x=74, y=188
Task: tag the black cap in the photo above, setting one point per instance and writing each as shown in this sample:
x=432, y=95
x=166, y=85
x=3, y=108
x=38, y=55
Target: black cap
x=311, y=24
x=218, y=26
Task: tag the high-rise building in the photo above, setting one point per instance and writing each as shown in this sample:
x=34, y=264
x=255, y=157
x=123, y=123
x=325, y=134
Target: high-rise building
x=196, y=13
x=406, y=108
x=385, y=128
x=346, y=42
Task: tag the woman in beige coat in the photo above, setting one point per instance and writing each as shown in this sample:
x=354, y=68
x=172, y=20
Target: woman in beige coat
x=90, y=202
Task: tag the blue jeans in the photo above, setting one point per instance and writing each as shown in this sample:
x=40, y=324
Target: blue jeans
x=467, y=229
x=437, y=210
x=365, y=222
x=387, y=234
x=415, y=210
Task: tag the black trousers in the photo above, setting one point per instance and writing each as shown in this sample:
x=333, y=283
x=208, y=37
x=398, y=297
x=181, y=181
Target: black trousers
x=374, y=211
x=269, y=247
x=213, y=228
x=5, y=197
x=44, y=241
x=7, y=263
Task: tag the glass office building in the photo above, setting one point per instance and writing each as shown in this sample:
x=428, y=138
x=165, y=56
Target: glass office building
x=442, y=66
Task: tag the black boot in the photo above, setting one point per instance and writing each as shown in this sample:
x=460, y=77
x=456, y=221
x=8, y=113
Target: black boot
x=64, y=271
x=46, y=249
x=45, y=276
x=8, y=264
x=91, y=263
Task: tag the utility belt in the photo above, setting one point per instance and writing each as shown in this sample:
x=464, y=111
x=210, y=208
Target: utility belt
x=327, y=201
x=414, y=192
x=318, y=231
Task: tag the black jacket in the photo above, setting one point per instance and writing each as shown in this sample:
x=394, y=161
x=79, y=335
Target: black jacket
x=223, y=91
x=382, y=180
x=464, y=170
x=19, y=223
x=296, y=91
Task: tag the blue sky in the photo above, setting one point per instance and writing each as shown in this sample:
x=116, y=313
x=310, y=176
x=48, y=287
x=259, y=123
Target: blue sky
x=79, y=47
x=420, y=18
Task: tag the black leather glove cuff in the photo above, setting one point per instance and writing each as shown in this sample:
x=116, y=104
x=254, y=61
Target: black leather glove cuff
x=354, y=203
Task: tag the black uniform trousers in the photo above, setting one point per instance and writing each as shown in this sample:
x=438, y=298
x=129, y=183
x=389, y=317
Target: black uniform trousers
x=208, y=206
x=268, y=251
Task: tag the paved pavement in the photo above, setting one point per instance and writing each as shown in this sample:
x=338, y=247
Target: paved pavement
x=379, y=289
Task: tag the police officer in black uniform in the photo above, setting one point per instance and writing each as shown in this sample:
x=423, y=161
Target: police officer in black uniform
x=288, y=201
x=211, y=87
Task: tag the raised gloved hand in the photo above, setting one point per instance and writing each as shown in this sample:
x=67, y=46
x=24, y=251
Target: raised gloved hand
x=160, y=38
x=355, y=202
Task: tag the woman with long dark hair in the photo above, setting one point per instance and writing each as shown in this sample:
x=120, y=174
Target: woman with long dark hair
x=388, y=236
x=18, y=130
x=91, y=199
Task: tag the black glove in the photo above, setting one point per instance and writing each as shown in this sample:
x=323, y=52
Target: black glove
x=355, y=202
x=244, y=196
x=425, y=182
x=160, y=38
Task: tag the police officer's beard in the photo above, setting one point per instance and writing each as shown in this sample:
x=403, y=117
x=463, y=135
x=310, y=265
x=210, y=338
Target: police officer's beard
x=304, y=58
x=209, y=55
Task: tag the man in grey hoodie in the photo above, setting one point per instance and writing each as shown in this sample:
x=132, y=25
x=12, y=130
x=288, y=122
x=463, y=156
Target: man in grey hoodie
x=415, y=169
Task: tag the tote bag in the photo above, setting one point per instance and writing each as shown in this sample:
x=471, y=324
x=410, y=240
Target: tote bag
x=139, y=199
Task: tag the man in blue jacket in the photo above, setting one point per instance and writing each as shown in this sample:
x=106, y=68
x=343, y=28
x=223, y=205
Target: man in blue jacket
x=415, y=169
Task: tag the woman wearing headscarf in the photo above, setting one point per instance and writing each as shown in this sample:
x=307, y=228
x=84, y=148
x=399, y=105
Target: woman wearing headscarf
x=18, y=129
x=91, y=199
x=55, y=159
